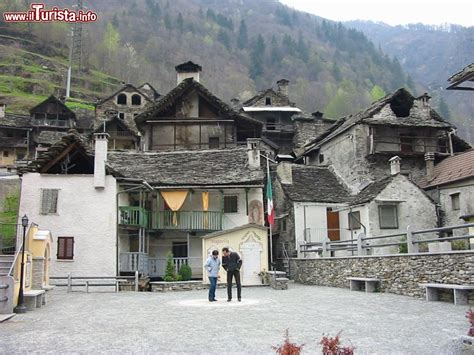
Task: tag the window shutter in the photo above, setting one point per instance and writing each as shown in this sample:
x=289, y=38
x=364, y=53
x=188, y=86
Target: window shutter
x=49, y=201
x=65, y=248
x=61, y=248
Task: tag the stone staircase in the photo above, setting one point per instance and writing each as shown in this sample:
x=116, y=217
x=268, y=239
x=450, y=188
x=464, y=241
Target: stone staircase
x=6, y=262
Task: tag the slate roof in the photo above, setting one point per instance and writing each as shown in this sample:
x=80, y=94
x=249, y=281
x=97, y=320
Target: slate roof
x=187, y=168
x=49, y=137
x=15, y=121
x=366, y=116
x=270, y=91
x=467, y=74
x=156, y=94
x=371, y=191
x=315, y=184
x=126, y=124
x=187, y=85
x=453, y=168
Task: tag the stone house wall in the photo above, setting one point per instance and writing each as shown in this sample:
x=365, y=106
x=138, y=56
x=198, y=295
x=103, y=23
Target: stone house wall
x=399, y=274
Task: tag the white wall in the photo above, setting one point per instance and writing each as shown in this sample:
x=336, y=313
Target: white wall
x=83, y=212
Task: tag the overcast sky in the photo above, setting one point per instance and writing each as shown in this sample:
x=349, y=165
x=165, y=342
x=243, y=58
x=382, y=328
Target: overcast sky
x=399, y=12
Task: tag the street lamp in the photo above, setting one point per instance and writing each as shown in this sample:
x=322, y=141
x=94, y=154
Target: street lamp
x=21, y=308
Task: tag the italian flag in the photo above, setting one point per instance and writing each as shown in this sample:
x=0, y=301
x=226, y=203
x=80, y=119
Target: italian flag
x=270, y=209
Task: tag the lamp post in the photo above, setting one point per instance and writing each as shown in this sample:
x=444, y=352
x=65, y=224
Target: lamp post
x=21, y=308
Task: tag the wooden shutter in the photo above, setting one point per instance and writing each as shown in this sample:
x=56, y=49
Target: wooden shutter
x=65, y=248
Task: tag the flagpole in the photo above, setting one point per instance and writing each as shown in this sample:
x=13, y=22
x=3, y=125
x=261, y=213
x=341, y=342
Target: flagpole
x=271, y=237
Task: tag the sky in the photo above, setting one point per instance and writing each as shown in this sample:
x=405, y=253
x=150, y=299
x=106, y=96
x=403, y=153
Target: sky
x=399, y=12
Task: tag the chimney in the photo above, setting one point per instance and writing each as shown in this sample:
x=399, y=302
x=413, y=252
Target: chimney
x=395, y=165
x=2, y=110
x=100, y=157
x=283, y=87
x=253, y=152
x=317, y=114
x=425, y=98
x=188, y=70
x=429, y=159
x=285, y=172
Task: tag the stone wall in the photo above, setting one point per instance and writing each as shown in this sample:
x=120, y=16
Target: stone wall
x=399, y=274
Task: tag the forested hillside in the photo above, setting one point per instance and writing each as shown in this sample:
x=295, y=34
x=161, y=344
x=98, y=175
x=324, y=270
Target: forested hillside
x=431, y=54
x=242, y=45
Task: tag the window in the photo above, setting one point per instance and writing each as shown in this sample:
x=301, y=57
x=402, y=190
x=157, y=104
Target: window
x=5, y=153
x=455, y=202
x=121, y=115
x=321, y=158
x=49, y=201
x=230, y=204
x=122, y=99
x=180, y=250
x=213, y=142
x=407, y=142
x=354, y=220
x=271, y=124
x=388, y=217
x=136, y=100
x=283, y=225
x=268, y=101
x=65, y=248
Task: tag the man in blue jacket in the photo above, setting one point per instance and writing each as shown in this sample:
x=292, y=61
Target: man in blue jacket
x=231, y=262
x=212, y=265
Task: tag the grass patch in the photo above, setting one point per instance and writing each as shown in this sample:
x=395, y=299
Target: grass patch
x=80, y=105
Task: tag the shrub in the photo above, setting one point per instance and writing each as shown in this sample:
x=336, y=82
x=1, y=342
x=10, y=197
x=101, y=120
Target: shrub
x=288, y=348
x=459, y=245
x=169, y=272
x=470, y=316
x=403, y=248
x=332, y=346
x=185, y=272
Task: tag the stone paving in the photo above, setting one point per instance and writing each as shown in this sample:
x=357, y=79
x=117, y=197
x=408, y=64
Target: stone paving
x=185, y=322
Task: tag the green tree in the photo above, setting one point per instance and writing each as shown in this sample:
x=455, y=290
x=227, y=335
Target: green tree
x=224, y=38
x=170, y=274
x=256, y=57
x=111, y=38
x=243, y=40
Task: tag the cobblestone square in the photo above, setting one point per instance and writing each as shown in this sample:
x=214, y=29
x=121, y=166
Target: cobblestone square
x=185, y=322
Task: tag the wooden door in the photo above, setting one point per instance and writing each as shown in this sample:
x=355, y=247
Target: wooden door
x=333, y=225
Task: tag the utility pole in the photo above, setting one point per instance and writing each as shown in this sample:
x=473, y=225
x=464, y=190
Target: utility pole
x=75, y=50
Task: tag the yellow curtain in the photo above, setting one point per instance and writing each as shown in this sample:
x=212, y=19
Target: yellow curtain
x=205, y=207
x=174, y=200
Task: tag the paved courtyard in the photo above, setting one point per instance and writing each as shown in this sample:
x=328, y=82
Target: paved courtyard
x=185, y=322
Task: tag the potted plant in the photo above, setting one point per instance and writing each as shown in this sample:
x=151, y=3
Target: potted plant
x=263, y=276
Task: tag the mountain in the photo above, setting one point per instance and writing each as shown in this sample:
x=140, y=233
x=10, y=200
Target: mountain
x=243, y=46
x=430, y=55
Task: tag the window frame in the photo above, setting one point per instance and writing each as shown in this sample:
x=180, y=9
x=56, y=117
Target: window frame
x=356, y=220
x=455, y=197
x=119, y=98
x=384, y=226
x=65, y=255
x=134, y=98
x=42, y=207
x=236, y=203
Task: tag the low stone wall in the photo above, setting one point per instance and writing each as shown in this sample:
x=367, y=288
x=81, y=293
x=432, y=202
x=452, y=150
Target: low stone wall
x=163, y=286
x=399, y=274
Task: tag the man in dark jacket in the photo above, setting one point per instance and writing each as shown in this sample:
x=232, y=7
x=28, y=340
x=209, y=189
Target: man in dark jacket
x=231, y=262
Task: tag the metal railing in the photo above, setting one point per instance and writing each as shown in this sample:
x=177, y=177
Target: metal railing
x=102, y=281
x=364, y=245
x=171, y=220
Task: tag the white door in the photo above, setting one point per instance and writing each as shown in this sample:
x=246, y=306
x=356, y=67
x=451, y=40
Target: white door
x=250, y=263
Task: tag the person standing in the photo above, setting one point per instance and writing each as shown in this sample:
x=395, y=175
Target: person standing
x=212, y=265
x=231, y=262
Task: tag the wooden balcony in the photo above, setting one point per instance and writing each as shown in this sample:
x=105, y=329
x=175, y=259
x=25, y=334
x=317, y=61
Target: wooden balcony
x=169, y=220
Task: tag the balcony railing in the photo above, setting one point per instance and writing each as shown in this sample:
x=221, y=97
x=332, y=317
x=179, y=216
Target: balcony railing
x=187, y=220
x=130, y=262
x=169, y=220
x=133, y=216
x=51, y=122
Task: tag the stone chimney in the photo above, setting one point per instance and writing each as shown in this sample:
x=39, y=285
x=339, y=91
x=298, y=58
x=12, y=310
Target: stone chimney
x=429, y=159
x=424, y=99
x=253, y=152
x=285, y=172
x=395, y=165
x=100, y=157
x=3, y=107
x=283, y=87
x=188, y=70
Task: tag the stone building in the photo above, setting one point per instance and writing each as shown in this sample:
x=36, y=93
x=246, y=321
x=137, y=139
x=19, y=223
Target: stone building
x=451, y=184
x=116, y=114
x=464, y=77
x=190, y=117
x=313, y=204
x=358, y=146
